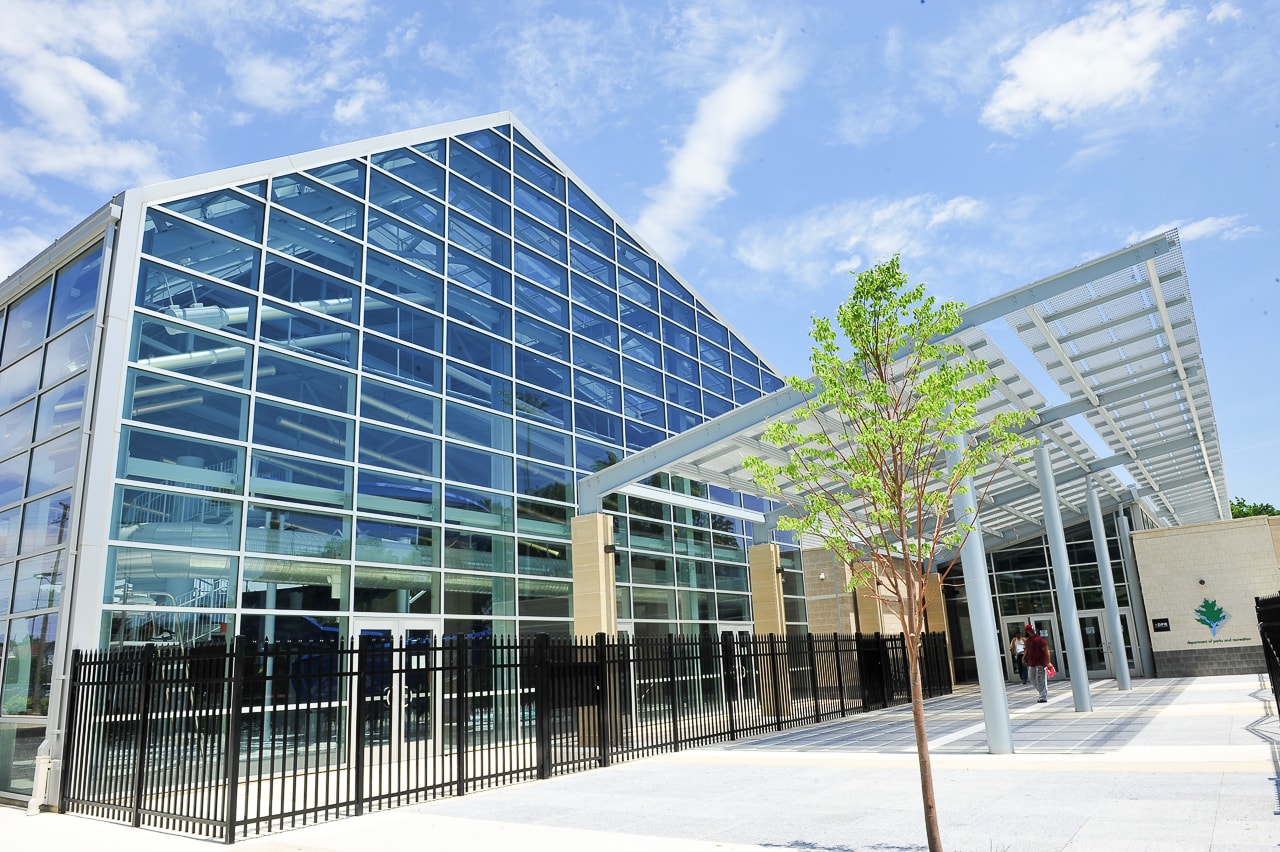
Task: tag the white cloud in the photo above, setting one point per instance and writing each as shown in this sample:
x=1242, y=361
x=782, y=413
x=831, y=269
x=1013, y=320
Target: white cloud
x=1223, y=12
x=1223, y=227
x=862, y=123
x=1107, y=59
x=17, y=246
x=739, y=108
x=834, y=239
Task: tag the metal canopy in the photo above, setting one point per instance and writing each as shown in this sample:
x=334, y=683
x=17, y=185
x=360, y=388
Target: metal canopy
x=1118, y=338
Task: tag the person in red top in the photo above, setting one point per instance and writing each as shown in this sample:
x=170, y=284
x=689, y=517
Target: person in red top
x=1037, y=657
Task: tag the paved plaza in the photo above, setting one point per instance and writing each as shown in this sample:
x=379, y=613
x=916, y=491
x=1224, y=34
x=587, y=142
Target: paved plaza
x=1173, y=764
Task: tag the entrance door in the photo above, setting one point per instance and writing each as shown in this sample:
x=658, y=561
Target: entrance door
x=1101, y=653
x=398, y=698
x=1047, y=625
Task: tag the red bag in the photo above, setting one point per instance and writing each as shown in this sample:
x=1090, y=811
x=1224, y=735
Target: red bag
x=1050, y=671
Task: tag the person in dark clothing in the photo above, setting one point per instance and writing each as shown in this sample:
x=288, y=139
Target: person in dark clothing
x=1036, y=655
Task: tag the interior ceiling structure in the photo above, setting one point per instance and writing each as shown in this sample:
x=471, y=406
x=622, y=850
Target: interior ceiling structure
x=1118, y=338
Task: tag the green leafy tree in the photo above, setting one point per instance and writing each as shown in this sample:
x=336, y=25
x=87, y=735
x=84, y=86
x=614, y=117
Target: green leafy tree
x=1211, y=615
x=1241, y=509
x=867, y=469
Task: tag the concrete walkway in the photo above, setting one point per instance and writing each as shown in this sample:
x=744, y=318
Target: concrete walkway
x=1174, y=764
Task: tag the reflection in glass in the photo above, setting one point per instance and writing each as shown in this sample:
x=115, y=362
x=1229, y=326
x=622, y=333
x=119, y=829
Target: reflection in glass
x=186, y=244
x=294, y=584
x=397, y=544
x=149, y=577
x=175, y=460
x=75, y=293
x=15, y=428
x=325, y=249
x=398, y=406
x=182, y=405
x=292, y=428
x=25, y=325
x=407, y=496
x=19, y=381
x=305, y=382
x=177, y=348
x=319, y=203
x=397, y=590
x=53, y=464
x=45, y=522
x=28, y=666
x=39, y=582
x=225, y=209
x=197, y=300
x=299, y=480
x=276, y=529
x=471, y=595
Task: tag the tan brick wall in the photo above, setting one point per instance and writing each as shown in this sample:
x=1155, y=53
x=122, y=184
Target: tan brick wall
x=766, y=590
x=1237, y=560
x=595, y=602
x=830, y=606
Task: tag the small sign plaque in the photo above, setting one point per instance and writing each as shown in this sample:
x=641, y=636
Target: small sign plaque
x=1160, y=625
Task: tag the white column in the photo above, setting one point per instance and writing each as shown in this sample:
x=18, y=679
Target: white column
x=1114, y=629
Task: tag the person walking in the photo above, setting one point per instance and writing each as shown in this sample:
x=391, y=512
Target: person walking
x=1036, y=655
x=1017, y=648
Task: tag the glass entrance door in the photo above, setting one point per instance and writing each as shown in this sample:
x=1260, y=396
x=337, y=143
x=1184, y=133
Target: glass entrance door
x=398, y=699
x=1101, y=653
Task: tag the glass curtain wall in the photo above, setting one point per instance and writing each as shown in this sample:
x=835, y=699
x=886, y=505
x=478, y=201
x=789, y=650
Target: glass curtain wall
x=371, y=386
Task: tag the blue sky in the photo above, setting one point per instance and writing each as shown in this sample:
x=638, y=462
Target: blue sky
x=764, y=149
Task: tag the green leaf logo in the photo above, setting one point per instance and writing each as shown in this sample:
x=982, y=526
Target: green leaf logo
x=1211, y=615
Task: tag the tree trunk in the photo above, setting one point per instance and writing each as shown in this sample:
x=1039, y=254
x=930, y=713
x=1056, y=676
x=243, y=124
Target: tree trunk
x=922, y=749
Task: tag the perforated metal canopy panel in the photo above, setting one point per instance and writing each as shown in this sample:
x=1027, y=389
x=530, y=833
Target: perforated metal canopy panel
x=1118, y=338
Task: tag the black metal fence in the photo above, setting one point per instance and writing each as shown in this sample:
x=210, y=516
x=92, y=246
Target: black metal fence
x=231, y=742
x=1268, y=610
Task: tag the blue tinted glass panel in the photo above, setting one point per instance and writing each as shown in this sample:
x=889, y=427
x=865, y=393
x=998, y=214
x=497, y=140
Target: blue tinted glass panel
x=300, y=381
x=538, y=442
x=347, y=176
x=542, y=337
x=545, y=481
x=595, y=358
x=714, y=356
x=472, y=385
x=597, y=391
x=679, y=338
x=13, y=480
x=643, y=349
x=19, y=380
x=683, y=394
x=433, y=149
x=640, y=377
x=53, y=464
x=592, y=264
x=769, y=382
x=543, y=372
x=479, y=311
x=475, y=237
x=737, y=347
x=477, y=467
x=525, y=141
x=307, y=288
x=407, y=165
x=744, y=393
x=479, y=275
x=479, y=171
x=399, y=406
x=636, y=261
x=406, y=242
x=540, y=206
x=291, y=236
x=292, y=428
x=299, y=480
x=44, y=524
x=75, y=292
x=641, y=436
x=746, y=371
x=681, y=366
x=403, y=322
x=409, y=365
x=225, y=209
x=490, y=144
x=678, y=311
x=539, y=302
x=598, y=298
x=67, y=354
x=181, y=405
x=184, y=244
x=407, y=282
x=545, y=240
x=717, y=383
x=595, y=327
x=541, y=270
x=594, y=457
x=539, y=174
x=399, y=450
x=597, y=424
x=291, y=329
x=646, y=408
x=395, y=197
x=479, y=552
x=679, y=420
x=714, y=406
x=641, y=291
x=153, y=457
x=398, y=544
x=196, y=300
x=479, y=349
x=475, y=202
x=60, y=408
x=590, y=235
x=712, y=330
x=258, y=188
x=669, y=284
x=388, y=494
x=579, y=201
x=537, y=404
x=478, y=426
x=319, y=203
x=636, y=317
x=15, y=427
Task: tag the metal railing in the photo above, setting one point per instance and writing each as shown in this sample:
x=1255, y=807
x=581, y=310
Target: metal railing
x=232, y=742
x=1268, y=609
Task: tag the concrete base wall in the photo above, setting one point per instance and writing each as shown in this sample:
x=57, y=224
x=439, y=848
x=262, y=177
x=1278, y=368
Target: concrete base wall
x=1242, y=659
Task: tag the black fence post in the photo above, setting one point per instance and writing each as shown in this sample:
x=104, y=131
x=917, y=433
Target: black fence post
x=361, y=718
x=542, y=702
x=602, y=699
x=731, y=685
x=231, y=763
x=69, y=742
x=673, y=692
x=462, y=739
x=143, y=732
x=775, y=676
x=835, y=644
x=813, y=678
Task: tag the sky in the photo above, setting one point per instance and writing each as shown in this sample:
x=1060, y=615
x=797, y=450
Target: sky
x=765, y=150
